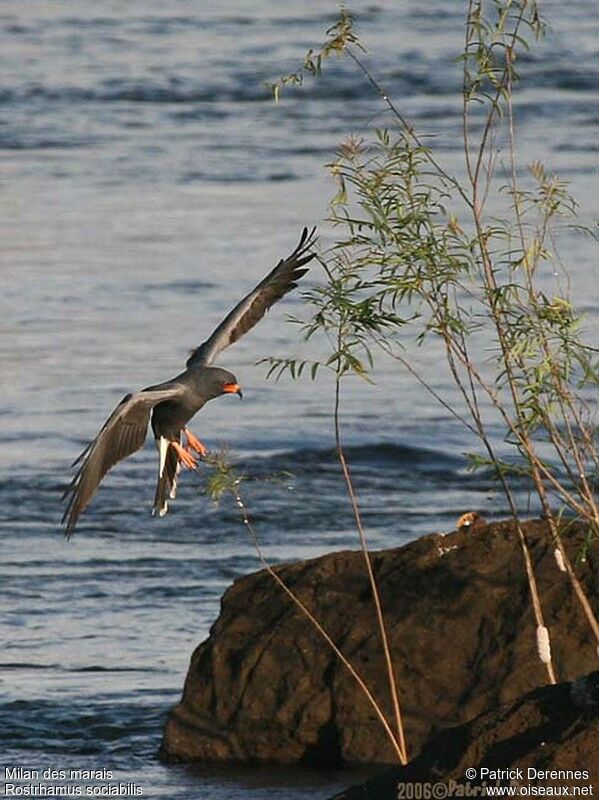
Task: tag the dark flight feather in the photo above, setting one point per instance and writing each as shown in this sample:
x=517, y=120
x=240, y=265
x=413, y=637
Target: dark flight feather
x=282, y=279
x=123, y=433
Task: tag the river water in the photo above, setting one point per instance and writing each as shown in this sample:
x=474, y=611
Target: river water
x=148, y=180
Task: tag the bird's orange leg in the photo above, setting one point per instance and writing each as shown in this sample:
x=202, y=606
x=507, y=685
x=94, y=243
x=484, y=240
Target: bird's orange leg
x=194, y=444
x=184, y=457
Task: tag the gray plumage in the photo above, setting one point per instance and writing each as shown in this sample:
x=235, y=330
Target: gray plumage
x=170, y=405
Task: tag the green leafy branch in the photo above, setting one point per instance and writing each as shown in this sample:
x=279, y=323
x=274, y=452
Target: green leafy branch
x=338, y=37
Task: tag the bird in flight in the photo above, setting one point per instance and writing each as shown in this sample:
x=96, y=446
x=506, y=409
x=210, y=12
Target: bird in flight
x=169, y=406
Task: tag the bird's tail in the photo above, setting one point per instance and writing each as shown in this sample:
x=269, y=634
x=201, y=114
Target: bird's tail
x=168, y=471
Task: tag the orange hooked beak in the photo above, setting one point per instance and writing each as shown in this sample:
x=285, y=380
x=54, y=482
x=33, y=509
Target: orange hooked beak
x=233, y=388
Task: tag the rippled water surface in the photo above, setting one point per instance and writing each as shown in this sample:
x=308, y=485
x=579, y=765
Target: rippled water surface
x=148, y=181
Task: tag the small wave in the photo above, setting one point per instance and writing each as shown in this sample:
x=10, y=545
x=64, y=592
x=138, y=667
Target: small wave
x=578, y=147
x=177, y=286
x=17, y=29
x=80, y=728
x=31, y=142
x=202, y=114
x=383, y=454
x=560, y=73
x=18, y=665
x=98, y=668
x=233, y=87
x=140, y=92
x=247, y=177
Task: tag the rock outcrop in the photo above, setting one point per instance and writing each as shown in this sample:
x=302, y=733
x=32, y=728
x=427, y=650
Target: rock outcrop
x=553, y=729
x=265, y=687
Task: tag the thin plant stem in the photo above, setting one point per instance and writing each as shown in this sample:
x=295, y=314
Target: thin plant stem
x=417, y=376
x=406, y=127
x=473, y=407
x=398, y=747
x=480, y=432
x=371, y=577
x=527, y=443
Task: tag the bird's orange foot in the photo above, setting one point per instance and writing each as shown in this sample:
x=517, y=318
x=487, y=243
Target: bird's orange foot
x=194, y=444
x=184, y=457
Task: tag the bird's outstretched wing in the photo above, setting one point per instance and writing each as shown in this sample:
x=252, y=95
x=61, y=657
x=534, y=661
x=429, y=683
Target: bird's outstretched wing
x=252, y=308
x=122, y=434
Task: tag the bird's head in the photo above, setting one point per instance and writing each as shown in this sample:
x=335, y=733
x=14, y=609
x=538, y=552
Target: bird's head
x=220, y=381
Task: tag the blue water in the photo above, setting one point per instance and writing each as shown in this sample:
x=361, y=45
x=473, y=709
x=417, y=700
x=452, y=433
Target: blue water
x=148, y=181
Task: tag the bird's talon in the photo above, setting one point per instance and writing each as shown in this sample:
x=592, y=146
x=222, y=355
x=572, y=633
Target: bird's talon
x=184, y=457
x=193, y=443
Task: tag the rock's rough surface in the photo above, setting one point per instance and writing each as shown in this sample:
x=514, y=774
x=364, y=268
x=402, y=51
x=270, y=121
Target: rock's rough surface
x=265, y=687
x=541, y=732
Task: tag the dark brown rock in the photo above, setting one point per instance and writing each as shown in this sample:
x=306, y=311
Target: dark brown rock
x=265, y=687
x=541, y=732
